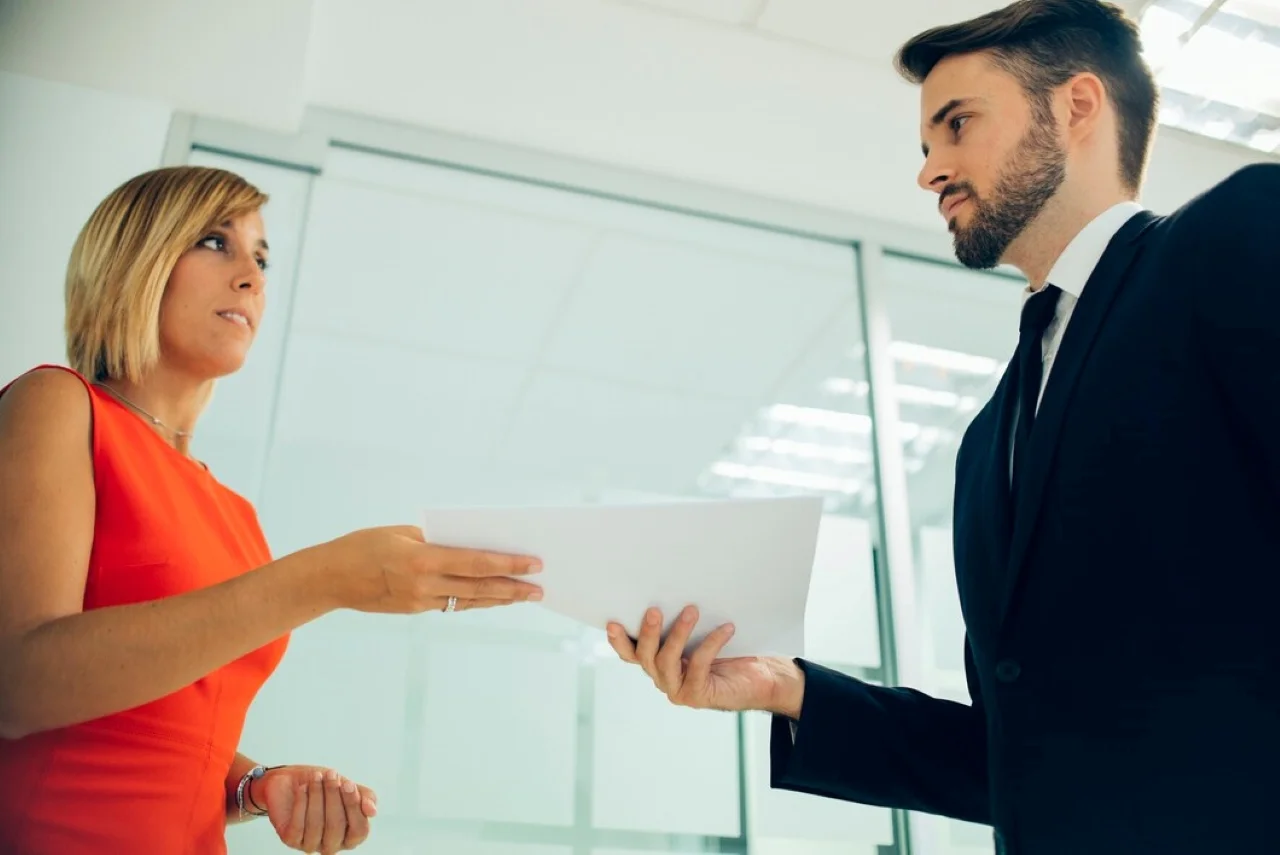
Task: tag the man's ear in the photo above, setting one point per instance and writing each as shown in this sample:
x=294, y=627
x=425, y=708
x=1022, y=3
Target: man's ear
x=1085, y=97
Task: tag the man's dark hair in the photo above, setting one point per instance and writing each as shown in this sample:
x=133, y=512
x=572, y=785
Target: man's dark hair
x=1043, y=43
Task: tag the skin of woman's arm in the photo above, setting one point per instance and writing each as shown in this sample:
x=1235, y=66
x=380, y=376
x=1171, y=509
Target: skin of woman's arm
x=60, y=665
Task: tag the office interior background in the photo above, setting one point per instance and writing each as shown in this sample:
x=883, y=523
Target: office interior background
x=567, y=251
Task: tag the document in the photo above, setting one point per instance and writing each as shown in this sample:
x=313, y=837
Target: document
x=741, y=561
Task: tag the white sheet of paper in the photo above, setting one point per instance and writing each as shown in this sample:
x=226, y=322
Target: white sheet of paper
x=745, y=561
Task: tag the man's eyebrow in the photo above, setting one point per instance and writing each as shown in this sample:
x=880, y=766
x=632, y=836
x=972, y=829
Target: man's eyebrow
x=941, y=114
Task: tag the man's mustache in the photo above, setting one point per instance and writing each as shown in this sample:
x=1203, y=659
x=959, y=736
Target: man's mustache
x=952, y=189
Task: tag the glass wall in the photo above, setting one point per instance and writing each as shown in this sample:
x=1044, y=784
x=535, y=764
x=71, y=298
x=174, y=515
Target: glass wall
x=437, y=337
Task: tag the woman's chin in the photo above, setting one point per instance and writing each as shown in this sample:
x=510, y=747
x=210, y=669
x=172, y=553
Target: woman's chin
x=214, y=366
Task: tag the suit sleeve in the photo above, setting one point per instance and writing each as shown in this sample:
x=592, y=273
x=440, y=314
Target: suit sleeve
x=889, y=747
x=1236, y=258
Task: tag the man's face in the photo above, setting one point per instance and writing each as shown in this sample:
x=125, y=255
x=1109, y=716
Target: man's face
x=993, y=158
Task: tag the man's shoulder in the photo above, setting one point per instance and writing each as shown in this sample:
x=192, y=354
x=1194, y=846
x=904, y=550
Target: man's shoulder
x=1250, y=189
x=1239, y=209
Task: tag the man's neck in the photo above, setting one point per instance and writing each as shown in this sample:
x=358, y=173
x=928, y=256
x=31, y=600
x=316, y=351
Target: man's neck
x=1044, y=240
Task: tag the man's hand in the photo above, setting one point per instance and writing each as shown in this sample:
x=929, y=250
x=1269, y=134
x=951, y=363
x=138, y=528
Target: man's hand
x=702, y=681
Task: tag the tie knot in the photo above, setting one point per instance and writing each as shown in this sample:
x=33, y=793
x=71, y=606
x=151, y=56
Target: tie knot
x=1037, y=311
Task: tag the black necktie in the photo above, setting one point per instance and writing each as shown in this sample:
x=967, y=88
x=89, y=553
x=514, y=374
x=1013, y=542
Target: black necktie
x=1037, y=312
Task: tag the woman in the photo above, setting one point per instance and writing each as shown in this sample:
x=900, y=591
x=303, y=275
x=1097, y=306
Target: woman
x=140, y=610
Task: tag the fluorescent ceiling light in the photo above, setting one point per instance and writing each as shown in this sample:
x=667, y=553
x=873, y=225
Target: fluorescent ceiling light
x=805, y=450
x=905, y=392
x=854, y=423
x=1219, y=72
x=951, y=360
x=787, y=478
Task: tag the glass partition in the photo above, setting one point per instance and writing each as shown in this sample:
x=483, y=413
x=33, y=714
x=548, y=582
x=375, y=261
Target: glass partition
x=460, y=339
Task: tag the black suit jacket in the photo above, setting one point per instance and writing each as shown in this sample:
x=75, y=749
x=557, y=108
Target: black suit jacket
x=1123, y=622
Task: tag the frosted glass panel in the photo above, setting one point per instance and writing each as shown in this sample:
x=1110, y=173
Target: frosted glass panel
x=499, y=729
x=641, y=739
x=307, y=713
x=843, y=582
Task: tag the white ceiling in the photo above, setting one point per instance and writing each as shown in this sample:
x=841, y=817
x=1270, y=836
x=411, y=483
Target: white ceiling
x=859, y=28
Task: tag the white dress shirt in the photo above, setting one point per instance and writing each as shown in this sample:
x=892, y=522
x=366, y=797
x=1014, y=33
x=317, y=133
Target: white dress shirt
x=1070, y=273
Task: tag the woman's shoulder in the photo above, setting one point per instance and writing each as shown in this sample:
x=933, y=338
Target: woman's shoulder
x=46, y=411
x=47, y=392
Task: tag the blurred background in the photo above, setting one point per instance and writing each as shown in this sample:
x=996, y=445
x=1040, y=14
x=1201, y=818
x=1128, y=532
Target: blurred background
x=565, y=251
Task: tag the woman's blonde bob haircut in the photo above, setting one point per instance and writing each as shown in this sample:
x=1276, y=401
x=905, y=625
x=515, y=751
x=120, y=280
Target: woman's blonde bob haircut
x=122, y=259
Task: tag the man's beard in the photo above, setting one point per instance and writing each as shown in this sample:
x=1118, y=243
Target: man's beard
x=1024, y=187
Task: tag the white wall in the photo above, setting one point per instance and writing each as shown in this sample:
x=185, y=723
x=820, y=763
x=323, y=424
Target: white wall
x=62, y=148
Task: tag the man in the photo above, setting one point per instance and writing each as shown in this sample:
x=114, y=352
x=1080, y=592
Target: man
x=1117, y=508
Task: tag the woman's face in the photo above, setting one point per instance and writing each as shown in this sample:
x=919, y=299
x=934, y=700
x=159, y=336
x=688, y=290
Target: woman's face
x=214, y=300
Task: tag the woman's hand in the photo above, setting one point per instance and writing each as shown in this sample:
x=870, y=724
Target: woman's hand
x=314, y=809
x=394, y=570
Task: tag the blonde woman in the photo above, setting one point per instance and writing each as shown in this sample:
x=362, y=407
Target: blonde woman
x=140, y=609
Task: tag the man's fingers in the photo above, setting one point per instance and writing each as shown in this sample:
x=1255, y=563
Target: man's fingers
x=621, y=643
x=647, y=644
x=669, y=662
x=698, y=668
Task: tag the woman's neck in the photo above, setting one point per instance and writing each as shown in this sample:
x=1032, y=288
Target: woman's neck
x=171, y=402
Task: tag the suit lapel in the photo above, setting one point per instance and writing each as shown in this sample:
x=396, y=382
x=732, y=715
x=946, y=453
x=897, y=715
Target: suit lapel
x=1082, y=330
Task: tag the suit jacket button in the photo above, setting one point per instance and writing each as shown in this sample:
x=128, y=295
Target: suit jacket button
x=1007, y=671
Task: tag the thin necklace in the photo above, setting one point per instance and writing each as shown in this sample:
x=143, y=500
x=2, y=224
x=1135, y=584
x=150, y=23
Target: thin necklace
x=184, y=434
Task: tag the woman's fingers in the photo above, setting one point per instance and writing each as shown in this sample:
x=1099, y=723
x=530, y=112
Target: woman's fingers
x=314, y=830
x=296, y=828
x=368, y=802
x=448, y=561
x=357, y=824
x=490, y=588
x=335, y=815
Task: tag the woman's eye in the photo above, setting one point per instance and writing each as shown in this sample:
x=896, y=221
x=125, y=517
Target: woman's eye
x=214, y=242
x=263, y=264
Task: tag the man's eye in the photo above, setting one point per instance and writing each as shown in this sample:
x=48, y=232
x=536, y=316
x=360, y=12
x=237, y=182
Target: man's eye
x=957, y=123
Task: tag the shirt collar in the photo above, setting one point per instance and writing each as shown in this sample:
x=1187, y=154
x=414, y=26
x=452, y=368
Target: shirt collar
x=1074, y=267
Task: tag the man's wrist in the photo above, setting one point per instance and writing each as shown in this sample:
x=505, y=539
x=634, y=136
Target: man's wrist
x=788, y=683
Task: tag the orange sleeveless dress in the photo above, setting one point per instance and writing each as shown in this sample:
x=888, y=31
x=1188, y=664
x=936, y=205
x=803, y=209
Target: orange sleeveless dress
x=150, y=780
